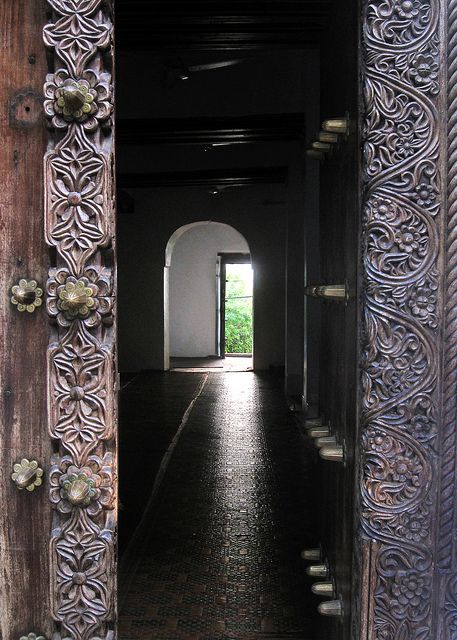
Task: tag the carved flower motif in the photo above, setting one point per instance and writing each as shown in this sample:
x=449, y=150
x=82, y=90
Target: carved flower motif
x=83, y=556
x=421, y=427
x=424, y=195
x=86, y=100
x=401, y=470
x=424, y=71
x=407, y=239
x=383, y=209
x=423, y=304
x=407, y=8
x=32, y=636
x=77, y=210
x=412, y=527
x=85, y=298
x=405, y=145
x=87, y=487
x=410, y=589
x=379, y=441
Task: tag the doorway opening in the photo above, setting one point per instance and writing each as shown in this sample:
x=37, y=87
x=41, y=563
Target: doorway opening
x=196, y=260
x=214, y=151
x=236, y=289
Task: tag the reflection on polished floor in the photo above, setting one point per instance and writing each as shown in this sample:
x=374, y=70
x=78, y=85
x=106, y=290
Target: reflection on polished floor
x=212, y=364
x=217, y=554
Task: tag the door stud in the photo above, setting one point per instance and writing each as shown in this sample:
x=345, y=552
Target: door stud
x=319, y=432
x=317, y=570
x=27, y=475
x=332, y=608
x=325, y=589
x=325, y=441
x=27, y=295
x=312, y=555
x=327, y=136
x=328, y=292
x=334, y=454
x=336, y=125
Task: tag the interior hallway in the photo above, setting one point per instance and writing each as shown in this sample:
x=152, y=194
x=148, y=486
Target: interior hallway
x=217, y=555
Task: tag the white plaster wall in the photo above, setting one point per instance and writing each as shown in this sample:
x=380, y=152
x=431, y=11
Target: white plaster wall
x=192, y=287
x=259, y=213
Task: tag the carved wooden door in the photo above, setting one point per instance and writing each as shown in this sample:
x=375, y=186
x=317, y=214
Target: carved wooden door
x=57, y=441
x=391, y=402
x=57, y=323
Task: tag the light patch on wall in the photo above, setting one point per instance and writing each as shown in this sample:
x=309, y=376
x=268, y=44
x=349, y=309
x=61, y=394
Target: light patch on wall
x=191, y=258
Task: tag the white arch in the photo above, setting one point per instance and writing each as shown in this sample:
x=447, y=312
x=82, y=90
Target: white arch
x=168, y=261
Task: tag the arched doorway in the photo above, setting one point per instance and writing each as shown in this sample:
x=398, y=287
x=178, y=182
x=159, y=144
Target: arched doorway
x=194, y=294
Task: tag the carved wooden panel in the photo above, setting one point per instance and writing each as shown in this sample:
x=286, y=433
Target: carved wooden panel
x=79, y=227
x=406, y=492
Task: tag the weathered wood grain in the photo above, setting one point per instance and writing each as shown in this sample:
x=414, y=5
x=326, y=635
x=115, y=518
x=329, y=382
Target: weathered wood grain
x=25, y=518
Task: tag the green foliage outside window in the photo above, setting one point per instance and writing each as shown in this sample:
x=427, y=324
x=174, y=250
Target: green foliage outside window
x=238, y=314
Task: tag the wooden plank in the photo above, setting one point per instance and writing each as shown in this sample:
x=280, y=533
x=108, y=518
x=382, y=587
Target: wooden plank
x=25, y=517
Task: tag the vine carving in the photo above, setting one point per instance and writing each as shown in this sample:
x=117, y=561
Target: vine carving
x=403, y=310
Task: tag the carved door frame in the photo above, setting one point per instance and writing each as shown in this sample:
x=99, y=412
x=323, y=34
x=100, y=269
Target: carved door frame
x=82, y=380
x=406, y=547
x=405, y=552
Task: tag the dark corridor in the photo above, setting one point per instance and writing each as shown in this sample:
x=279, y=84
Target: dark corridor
x=217, y=554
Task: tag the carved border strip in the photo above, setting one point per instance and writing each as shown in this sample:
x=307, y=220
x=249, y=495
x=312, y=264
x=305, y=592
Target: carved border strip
x=79, y=225
x=446, y=550
x=403, y=305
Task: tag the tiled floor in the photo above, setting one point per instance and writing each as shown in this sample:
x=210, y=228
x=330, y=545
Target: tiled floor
x=211, y=364
x=218, y=553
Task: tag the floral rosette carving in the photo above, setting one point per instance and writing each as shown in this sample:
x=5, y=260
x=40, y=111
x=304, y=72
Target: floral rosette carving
x=78, y=215
x=89, y=486
x=86, y=298
x=86, y=100
x=80, y=386
x=396, y=473
x=398, y=239
x=403, y=594
x=85, y=558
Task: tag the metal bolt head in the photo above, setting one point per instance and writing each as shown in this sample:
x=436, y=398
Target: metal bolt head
x=26, y=295
x=325, y=441
x=310, y=423
x=312, y=555
x=336, y=125
x=324, y=147
x=318, y=432
x=329, y=137
x=333, y=454
x=331, y=608
x=317, y=570
x=324, y=589
x=74, y=99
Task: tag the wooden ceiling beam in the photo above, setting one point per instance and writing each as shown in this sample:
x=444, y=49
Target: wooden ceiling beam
x=211, y=131
x=219, y=26
x=214, y=178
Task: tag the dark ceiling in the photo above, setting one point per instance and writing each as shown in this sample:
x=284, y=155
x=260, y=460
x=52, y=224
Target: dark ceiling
x=260, y=99
x=238, y=25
